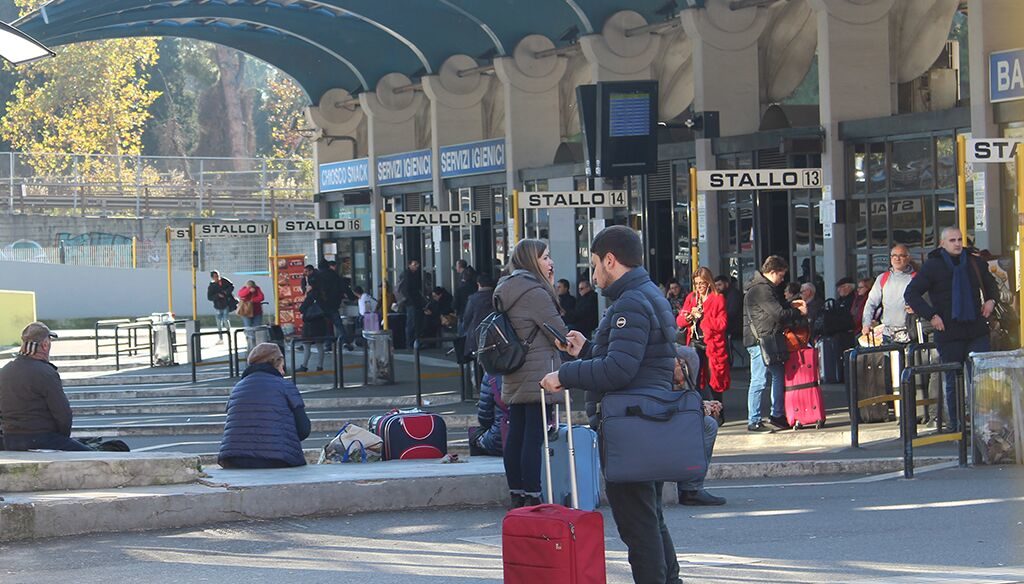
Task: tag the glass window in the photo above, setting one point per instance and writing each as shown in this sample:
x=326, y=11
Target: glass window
x=946, y=212
x=911, y=165
x=860, y=169
x=862, y=266
x=801, y=225
x=928, y=231
x=945, y=157
x=879, y=264
x=879, y=223
x=858, y=213
x=877, y=170
x=907, y=214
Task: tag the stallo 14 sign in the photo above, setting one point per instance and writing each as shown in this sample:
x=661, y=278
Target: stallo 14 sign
x=749, y=180
x=585, y=199
x=432, y=218
x=308, y=225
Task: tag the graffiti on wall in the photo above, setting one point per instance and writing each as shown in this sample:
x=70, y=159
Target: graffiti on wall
x=92, y=238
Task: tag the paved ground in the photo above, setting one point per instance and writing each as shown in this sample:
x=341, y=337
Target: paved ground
x=945, y=526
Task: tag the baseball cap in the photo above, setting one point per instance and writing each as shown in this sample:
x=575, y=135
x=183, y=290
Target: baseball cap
x=34, y=334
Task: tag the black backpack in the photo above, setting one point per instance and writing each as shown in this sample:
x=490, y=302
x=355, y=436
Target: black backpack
x=499, y=349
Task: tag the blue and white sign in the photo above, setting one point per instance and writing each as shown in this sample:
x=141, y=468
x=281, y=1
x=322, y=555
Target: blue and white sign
x=473, y=158
x=348, y=174
x=1006, y=75
x=406, y=167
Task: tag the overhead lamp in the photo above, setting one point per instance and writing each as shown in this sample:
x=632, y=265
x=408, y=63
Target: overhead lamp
x=18, y=48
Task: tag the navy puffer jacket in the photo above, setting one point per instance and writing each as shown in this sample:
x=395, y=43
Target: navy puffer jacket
x=492, y=414
x=633, y=348
x=261, y=422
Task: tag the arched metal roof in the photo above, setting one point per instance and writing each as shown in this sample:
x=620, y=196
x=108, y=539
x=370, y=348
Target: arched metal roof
x=336, y=43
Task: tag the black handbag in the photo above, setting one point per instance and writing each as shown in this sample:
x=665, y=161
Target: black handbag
x=774, y=350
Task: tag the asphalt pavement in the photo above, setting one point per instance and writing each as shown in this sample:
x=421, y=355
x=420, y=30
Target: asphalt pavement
x=947, y=525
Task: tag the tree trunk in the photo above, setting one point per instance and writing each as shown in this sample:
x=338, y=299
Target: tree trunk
x=235, y=124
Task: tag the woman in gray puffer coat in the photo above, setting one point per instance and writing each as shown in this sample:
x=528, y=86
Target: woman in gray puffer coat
x=528, y=297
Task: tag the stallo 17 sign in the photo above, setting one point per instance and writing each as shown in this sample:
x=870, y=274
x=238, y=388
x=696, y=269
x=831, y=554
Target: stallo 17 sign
x=309, y=225
x=222, y=230
x=432, y=218
x=573, y=199
x=749, y=180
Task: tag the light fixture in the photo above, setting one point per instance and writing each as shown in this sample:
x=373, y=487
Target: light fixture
x=316, y=134
x=18, y=48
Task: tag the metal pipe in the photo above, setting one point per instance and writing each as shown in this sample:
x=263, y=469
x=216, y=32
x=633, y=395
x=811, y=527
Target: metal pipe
x=474, y=70
x=556, y=51
x=741, y=4
x=408, y=88
x=961, y=184
x=170, y=293
x=654, y=27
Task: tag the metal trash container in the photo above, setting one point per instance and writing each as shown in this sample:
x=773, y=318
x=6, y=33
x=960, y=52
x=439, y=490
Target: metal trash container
x=997, y=407
x=163, y=344
x=380, y=358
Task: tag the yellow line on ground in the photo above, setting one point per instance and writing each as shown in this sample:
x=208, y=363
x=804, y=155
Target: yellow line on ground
x=935, y=439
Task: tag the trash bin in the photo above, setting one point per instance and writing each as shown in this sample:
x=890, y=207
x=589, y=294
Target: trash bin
x=163, y=343
x=997, y=409
x=396, y=324
x=380, y=358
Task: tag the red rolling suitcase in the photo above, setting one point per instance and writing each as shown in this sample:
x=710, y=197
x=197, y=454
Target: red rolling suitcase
x=804, y=406
x=551, y=543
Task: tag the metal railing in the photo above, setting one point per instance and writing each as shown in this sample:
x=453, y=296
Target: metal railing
x=106, y=324
x=908, y=418
x=323, y=342
x=132, y=338
x=852, y=387
x=194, y=352
x=242, y=359
x=416, y=347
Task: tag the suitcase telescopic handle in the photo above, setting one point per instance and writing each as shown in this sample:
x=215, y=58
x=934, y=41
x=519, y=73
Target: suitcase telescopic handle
x=573, y=487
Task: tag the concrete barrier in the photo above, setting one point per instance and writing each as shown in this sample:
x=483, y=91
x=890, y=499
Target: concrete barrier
x=22, y=472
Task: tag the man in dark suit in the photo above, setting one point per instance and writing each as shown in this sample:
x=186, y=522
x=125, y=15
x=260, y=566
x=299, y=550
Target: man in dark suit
x=583, y=317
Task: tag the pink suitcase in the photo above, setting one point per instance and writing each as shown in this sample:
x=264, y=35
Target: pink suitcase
x=804, y=406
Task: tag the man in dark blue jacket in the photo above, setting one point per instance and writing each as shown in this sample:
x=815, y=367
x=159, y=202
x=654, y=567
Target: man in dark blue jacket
x=633, y=348
x=955, y=282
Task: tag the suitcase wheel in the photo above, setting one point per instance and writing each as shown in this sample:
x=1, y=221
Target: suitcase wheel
x=797, y=426
x=820, y=424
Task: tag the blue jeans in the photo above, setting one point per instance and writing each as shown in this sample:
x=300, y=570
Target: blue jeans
x=223, y=322
x=710, y=434
x=759, y=375
x=250, y=322
x=957, y=352
x=413, y=322
x=523, y=449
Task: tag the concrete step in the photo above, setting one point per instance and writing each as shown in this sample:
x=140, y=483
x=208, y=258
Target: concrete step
x=82, y=407
x=55, y=471
x=239, y=495
x=90, y=380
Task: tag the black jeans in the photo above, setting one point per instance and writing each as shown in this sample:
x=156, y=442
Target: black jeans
x=637, y=510
x=956, y=351
x=43, y=441
x=523, y=448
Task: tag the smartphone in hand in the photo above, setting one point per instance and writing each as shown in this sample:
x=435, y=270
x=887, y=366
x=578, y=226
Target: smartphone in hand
x=555, y=333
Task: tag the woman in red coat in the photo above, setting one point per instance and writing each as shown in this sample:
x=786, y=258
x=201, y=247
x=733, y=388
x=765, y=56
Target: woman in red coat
x=703, y=319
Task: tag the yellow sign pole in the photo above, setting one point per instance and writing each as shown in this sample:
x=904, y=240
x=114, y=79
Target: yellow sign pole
x=195, y=262
x=515, y=222
x=383, y=271
x=170, y=290
x=135, y=252
x=272, y=254
x=1020, y=231
x=961, y=184
x=694, y=228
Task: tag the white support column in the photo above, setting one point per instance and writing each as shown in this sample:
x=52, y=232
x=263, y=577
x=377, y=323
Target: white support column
x=391, y=129
x=727, y=80
x=532, y=129
x=456, y=116
x=856, y=81
x=994, y=25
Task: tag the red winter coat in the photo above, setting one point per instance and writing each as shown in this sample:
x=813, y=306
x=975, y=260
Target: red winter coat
x=256, y=297
x=713, y=324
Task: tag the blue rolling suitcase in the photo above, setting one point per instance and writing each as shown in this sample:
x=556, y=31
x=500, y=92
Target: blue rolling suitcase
x=588, y=468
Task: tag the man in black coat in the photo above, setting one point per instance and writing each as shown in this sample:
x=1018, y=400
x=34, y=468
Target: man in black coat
x=411, y=289
x=766, y=313
x=955, y=282
x=566, y=301
x=465, y=286
x=333, y=291
x=221, y=293
x=478, y=307
x=633, y=348
x=583, y=317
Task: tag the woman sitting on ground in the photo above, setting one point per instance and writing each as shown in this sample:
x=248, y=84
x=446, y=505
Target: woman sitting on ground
x=267, y=419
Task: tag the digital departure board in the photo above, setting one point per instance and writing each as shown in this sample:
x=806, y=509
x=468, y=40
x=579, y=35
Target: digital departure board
x=626, y=128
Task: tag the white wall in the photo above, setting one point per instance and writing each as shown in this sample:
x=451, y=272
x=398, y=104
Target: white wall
x=77, y=292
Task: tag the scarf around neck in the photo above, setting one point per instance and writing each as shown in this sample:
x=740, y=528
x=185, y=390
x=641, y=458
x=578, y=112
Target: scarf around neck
x=963, y=304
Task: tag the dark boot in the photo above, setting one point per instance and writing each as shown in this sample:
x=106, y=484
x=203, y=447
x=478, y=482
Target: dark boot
x=700, y=497
x=530, y=501
x=517, y=500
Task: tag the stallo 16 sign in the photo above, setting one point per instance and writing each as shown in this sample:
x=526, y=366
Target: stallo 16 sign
x=432, y=218
x=749, y=180
x=309, y=225
x=584, y=199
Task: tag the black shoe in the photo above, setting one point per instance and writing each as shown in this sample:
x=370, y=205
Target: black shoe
x=700, y=497
x=759, y=427
x=319, y=369
x=301, y=369
x=530, y=501
x=350, y=347
x=780, y=422
x=517, y=500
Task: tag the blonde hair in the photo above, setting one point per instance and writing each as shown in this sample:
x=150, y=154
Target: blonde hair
x=526, y=256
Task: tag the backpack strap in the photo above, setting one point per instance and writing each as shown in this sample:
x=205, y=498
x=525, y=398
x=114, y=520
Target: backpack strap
x=885, y=278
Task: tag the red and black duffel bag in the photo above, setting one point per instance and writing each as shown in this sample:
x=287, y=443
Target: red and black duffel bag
x=411, y=434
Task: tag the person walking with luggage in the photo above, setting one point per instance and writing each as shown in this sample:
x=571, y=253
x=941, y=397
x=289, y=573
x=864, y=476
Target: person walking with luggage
x=955, y=283
x=527, y=296
x=685, y=377
x=633, y=348
x=765, y=314
x=703, y=320
x=220, y=293
x=887, y=293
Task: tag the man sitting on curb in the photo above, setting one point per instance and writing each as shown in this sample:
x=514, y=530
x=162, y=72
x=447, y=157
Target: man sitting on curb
x=35, y=412
x=693, y=493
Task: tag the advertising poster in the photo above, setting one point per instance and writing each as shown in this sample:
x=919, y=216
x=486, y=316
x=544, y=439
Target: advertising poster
x=289, y=292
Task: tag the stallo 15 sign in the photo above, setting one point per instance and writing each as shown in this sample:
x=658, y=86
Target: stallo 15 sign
x=585, y=199
x=432, y=218
x=749, y=180
x=309, y=225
